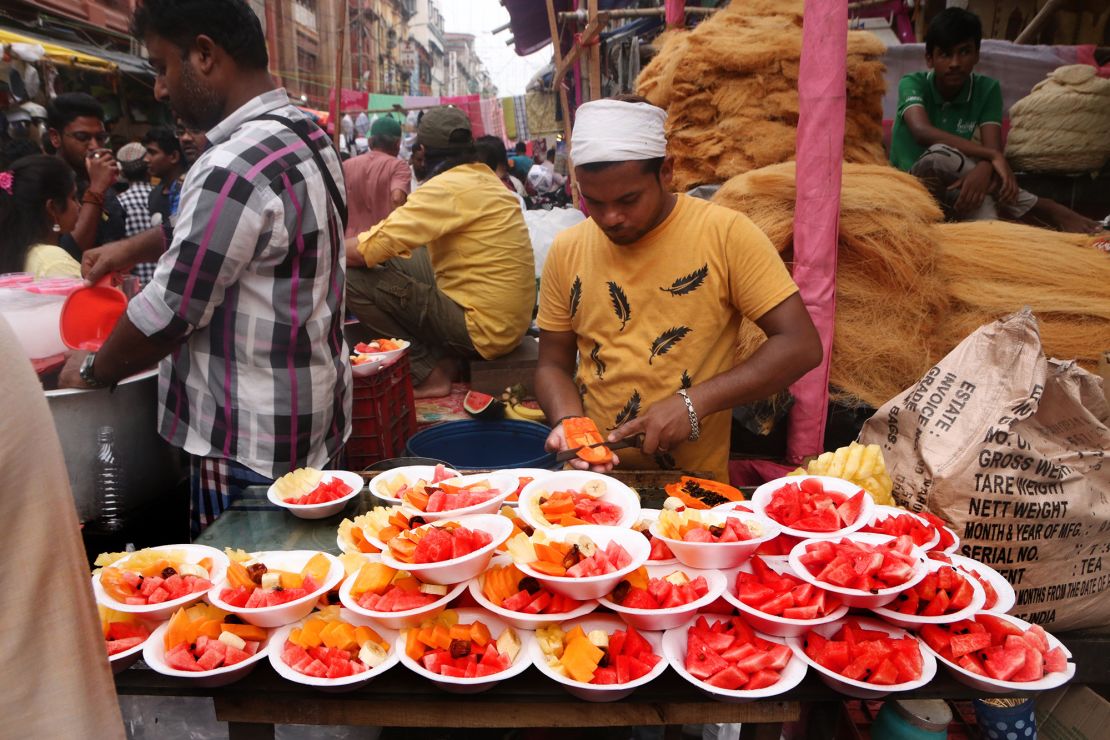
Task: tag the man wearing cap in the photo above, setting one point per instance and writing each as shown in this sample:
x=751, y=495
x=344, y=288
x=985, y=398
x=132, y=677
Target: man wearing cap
x=377, y=181
x=640, y=305
x=478, y=303
x=133, y=188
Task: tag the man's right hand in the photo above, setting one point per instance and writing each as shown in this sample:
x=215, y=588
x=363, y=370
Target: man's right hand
x=974, y=188
x=557, y=442
x=112, y=257
x=103, y=170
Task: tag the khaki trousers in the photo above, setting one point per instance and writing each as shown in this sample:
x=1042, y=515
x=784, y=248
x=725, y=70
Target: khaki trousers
x=399, y=299
x=942, y=165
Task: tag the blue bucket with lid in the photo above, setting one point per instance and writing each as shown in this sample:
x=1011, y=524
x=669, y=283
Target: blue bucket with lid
x=485, y=445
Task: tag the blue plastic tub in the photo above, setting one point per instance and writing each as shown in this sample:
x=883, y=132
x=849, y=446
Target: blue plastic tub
x=484, y=445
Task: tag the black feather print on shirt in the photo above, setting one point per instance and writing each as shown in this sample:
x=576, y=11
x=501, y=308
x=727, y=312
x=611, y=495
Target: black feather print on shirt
x=630, y=411
x=688, y=283
x=687, y=381
x=666, y=341
x=575, y=295
x=620, y=303
x=599, y=364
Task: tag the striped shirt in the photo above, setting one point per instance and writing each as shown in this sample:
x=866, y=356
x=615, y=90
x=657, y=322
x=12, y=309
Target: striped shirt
x=253, y=280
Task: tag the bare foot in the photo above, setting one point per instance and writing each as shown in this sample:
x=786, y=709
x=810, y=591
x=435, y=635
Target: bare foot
x=438, y=382
x=1068, y=220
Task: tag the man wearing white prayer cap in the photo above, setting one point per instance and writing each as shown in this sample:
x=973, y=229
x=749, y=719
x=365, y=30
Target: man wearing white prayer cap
x=640, y=305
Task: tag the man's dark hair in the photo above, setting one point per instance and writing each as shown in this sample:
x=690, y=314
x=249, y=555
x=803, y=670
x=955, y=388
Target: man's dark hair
x=463, y=151
x=491, y=150
x=166, y=140
x=67, y=107
x=521, y=148
x=951, y=27
x=551, y=154
x=230, y=23
x=383, y=141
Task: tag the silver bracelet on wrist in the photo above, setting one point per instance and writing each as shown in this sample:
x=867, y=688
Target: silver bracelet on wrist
x=695, y=427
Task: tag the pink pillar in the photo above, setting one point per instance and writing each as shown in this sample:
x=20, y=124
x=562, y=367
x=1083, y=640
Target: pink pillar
x=820, y=145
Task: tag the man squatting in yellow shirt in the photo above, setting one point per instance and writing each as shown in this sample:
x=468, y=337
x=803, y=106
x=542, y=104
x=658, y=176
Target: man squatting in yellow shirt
x=640, y=305
x=479, y=301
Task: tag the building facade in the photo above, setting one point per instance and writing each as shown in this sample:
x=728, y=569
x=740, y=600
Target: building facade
x=429, y=49
x=466, y=74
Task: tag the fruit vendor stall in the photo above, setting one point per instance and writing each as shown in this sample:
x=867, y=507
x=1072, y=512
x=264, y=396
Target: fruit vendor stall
x=433, y=599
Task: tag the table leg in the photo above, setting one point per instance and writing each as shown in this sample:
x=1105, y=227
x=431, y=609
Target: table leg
x=249, y=731
x=761, y=731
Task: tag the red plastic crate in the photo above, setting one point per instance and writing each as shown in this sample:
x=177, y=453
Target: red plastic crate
x=383, y=416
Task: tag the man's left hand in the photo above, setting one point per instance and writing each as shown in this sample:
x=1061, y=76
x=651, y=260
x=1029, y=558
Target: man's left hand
x=70, y=376
x=665, y=426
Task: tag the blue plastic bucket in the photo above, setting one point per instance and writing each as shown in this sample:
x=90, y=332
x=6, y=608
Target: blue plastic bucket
x=1006, y=723
x=484, y=445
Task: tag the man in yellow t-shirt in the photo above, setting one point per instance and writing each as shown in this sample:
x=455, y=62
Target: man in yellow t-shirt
x=480, y=299
x=648, y=294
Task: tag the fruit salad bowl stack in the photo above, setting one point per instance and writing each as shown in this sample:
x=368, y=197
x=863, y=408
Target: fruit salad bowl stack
x=155, y=582
x=813, y=506
x=709, y=540
x=775, y=601
x=598, y=657
x=449, y=551
x=333, y=649
x=659, y=597
x=206, y=645
x=581, y=563
x=465, y=651
x=725, y=658
x=394, y=598
x=577, y=497
x=271, y=589
x=522, y=601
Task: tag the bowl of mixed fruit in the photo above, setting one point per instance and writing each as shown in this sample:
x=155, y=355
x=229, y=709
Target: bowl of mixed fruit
x=333, y=649
x=464, y=651
x=394, y=598
x=521, y=600
x=572, y=498
x=271, y=589
x=155, y=581
x=207, y=645
x=309, y=493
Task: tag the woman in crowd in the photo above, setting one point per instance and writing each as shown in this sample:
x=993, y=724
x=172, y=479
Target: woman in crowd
x=38, y=203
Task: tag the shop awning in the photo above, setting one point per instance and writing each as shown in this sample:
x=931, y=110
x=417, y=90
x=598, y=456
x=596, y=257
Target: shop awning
x=63, y=55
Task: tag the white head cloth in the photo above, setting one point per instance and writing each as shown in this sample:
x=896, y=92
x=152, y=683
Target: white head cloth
x=616, y=131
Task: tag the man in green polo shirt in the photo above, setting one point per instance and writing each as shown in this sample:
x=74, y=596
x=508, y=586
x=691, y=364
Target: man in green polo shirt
x=948, y=133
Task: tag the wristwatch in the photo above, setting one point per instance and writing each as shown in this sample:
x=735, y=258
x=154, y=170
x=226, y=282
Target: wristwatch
x=86, y=371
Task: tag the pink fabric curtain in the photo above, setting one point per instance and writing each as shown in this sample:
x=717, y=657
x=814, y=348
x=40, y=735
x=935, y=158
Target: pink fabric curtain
x=472, y=106
x=820, y=146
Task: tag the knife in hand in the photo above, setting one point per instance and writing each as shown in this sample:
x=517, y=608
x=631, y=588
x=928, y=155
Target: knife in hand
x=637, y=440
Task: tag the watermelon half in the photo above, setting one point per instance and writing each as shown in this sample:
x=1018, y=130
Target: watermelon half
x=483, y=406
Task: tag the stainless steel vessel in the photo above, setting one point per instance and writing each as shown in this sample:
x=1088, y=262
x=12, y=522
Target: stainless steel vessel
x=151, y=467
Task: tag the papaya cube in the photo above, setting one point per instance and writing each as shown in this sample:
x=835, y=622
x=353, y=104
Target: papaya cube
x=367, y=634
x=310, y=633
x=479, y=633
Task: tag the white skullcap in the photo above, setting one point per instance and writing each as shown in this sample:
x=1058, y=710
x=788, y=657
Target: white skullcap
x=616, y=131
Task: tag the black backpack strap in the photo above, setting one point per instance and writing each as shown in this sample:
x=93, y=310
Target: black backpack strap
x=333, y=190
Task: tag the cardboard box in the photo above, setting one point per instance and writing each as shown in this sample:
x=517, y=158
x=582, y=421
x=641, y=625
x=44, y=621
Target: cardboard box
x=1072, y=713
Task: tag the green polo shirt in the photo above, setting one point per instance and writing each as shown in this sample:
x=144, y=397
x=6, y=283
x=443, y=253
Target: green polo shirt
x=979, y=102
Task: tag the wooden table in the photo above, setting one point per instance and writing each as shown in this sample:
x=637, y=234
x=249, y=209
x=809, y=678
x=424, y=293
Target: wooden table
x=399, y=698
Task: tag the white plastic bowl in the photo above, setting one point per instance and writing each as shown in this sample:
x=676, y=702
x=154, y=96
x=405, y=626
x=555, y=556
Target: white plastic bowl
x=154, y=654
x=910, y=621
x=164, y=610
x=650, y=516
x=367, y=368
x=993, y=685
x=616, y=493
x=601, y=692
x=387, y=357
x=123, y=660
x=854, y=596
x=347, y=545
x=769, y=623
x=665, y=619
x=506, y=484
x=402, y=619
x=456, y=570
x=321, y=511
x=674, y=650
x=410, y=473
x=1002, y=588
x=346, y=683
x=474, y=685
x=593, y=587
x=277, y=616
x=862, y=689
x=881, y=513
x=534, y=473
x=521, y=620
x=720, y=555
x=762, y=496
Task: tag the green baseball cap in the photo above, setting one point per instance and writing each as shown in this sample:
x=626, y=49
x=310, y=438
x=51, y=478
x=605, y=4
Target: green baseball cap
x=385, y=126
x=438, y=124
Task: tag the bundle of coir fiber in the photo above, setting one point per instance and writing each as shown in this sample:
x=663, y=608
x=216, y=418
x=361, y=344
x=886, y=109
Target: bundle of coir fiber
x=1063, y=125
x=730, y=88
x=910, y=288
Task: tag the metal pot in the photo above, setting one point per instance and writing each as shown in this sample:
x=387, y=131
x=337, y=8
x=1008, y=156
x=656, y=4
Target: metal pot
x=151, y=467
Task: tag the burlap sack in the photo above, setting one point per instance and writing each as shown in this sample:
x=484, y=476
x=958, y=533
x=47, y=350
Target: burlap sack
x=1012, y=450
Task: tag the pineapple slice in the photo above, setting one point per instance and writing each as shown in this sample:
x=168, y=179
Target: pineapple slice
x=520, y=549
x=678, y=578
x=508, y=644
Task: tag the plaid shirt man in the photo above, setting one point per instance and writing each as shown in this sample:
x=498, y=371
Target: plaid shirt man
x=254, y=278
x=134, y=202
